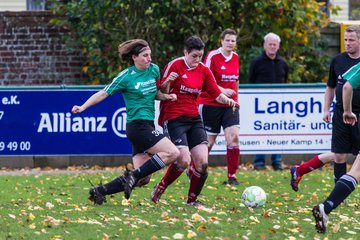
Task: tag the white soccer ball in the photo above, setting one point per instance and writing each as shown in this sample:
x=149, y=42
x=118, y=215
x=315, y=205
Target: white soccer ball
x=254, y=196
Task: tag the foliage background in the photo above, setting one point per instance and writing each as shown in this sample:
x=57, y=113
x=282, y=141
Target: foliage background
x=97, y=27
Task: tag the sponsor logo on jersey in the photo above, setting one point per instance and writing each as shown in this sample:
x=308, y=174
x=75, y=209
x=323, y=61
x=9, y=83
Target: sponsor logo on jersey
x=184, y=76
x=184, y=89
x=145, y=84
x=229, y=78
x=223, y=67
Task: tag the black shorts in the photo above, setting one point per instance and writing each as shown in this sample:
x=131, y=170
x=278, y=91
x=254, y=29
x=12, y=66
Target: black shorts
x=184, y=131
x=216, y=117
x=345, y=138
x=143, y=135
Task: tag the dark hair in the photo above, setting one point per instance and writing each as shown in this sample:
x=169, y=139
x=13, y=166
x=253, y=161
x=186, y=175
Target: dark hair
x=194, y=42
x=227, y=31
x=353, y=28
x=131, y=47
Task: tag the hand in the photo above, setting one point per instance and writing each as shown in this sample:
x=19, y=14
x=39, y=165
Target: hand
x=327, y=117
x=77, y=109
x=232, y=103
x=228, y=92
x=172, y=76
x=349, y=118
x=172, y=97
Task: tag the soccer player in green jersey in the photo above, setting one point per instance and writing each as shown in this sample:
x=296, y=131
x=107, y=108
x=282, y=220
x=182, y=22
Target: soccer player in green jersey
x=151, y=149
x=348, y=182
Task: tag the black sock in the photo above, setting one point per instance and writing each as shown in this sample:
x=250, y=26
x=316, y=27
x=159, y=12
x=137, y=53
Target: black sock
x=343, y=188
x=203, y=177
x=339, y=170
x=150, y=166
x=115, y=186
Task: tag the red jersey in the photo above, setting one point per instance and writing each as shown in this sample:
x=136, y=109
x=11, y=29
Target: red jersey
x=226, y=72
x=190, y=83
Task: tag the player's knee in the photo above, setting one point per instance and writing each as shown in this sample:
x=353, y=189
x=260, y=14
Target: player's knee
x=204, y=168
x=235, y=139
x=174, y=154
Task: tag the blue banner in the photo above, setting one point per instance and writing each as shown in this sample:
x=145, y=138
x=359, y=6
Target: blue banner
x=40, y=122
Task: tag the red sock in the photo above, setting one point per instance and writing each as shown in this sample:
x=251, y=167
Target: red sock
x=173, y=173
x=196, y=184
x=232, y=158
x=309, y=166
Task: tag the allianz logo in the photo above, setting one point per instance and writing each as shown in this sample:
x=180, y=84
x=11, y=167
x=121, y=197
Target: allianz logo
x=60, y=122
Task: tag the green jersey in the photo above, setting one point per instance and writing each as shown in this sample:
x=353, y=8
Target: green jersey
x=353, y=76
x=138, y=88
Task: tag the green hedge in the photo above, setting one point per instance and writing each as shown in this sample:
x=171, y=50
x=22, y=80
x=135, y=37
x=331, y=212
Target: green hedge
x=97, y=27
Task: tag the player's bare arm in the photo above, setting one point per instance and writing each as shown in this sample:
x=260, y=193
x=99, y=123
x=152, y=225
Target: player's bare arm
x=227, y=91
x=348, y=116
x=94, y=99
x=165, y=85
x=164, y=96
x=328, y=98
x=225, y=100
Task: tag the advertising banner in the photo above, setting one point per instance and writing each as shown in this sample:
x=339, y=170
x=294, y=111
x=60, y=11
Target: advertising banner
x=40, y=122
x=281, y=120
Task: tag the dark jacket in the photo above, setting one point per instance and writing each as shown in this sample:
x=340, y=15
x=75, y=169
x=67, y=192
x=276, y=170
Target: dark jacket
x=266, y=70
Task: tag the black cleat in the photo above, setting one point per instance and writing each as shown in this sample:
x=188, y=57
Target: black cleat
x=295, y=178
x=130, y=183
x=195, y=203
x=96, y=197
x=232, y=181
x=321, y=218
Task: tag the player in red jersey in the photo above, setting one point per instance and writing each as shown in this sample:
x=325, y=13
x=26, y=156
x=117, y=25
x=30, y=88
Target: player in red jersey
x=224, y=64
x=187, y=77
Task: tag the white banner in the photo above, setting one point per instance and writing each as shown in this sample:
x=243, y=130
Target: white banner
x=280, y=120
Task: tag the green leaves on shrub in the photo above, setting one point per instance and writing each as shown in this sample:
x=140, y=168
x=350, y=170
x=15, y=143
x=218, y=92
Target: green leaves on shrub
x=97, y=27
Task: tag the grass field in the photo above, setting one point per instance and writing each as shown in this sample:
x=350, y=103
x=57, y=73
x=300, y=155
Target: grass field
x=55, y=206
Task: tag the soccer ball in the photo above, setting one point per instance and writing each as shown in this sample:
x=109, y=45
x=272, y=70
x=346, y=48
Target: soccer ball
x=254, y=196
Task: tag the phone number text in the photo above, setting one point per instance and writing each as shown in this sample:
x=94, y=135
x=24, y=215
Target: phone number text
x=15, y=146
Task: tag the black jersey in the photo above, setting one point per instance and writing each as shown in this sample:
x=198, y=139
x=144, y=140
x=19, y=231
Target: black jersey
x=339, y=65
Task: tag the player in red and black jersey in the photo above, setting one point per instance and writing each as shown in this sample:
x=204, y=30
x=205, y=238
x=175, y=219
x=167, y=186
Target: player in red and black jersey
x=187, y=77
x=224, y=64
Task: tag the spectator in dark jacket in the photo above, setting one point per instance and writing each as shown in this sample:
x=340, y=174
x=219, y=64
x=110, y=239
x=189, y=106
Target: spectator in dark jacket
x=269, y=67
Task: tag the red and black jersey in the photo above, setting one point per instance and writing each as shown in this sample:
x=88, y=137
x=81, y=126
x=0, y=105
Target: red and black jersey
x=226, y=73
x=187, y=87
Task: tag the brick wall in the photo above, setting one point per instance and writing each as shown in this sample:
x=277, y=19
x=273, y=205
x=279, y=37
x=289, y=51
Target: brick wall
x=32, y=51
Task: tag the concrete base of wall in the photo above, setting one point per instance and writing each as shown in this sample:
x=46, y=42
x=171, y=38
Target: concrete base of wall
x=114, y=161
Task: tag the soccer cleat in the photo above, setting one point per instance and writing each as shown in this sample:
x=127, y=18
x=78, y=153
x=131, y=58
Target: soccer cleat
x=195, y=203
x=156, y=193
x=232, y=181
x=130, y=183
x=321, y=218
x=96, y=197
x=295, y=178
